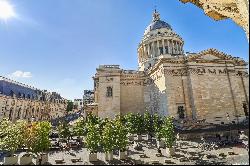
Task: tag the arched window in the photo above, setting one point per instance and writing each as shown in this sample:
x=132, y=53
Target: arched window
x=28, y=96
x=109, y=91
x=19, y=95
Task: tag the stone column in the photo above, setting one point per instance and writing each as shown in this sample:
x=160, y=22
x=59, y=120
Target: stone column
x=145, y=51
x=158, y=48
x=168, y=47
x=148, y=47
x=178, y=47
x=172, y=46
x=153, y=49
x=140, y=55
x=163, y=45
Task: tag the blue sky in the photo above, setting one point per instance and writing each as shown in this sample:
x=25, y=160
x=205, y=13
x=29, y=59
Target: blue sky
x=58, y=44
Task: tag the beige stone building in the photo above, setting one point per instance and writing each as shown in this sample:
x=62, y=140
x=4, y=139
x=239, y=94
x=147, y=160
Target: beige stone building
x=28, y=103
x=204, y=86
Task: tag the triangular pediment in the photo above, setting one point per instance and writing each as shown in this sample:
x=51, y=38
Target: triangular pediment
x=209, y=57
x=212, y=55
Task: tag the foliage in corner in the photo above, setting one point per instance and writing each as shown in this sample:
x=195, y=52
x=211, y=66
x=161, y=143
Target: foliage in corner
x=12, y=135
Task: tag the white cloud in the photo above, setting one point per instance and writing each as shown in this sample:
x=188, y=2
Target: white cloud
x=20, y=74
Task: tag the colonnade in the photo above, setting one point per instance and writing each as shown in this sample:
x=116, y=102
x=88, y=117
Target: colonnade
x=160, y=47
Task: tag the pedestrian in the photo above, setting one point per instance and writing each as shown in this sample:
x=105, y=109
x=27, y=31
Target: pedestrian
x=40, y=159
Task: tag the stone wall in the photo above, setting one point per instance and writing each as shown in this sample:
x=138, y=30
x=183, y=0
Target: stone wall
x=108, y=77
x=132, y=93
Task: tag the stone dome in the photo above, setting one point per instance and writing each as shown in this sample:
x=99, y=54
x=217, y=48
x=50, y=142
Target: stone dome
x=157, y=23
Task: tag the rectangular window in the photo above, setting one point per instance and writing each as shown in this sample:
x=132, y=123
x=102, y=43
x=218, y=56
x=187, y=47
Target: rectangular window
x=109, y=92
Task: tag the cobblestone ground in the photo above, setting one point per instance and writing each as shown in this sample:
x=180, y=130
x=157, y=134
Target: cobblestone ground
x=184, y=151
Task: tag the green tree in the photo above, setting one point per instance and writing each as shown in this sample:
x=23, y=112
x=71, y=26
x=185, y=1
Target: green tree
x=121, y=134
x=64, y=130
x=70, y=106
x=168, y=132
x=139, y=124
x=93, y=138
x=12, y=135
x=41, y=136
x=80, y=128
x=92, y=119
x=109, y=137
x=130, y=123
x=157, y=126
x=148, y=123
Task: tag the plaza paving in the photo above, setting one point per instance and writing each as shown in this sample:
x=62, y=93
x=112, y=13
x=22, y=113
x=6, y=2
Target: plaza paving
x=183, y=155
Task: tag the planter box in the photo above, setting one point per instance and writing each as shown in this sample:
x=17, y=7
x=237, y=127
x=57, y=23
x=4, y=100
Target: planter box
x=139, y=137
x=122, y=155
x=170, y=152
x=10, y=160
x=160, y=144
x=92, y=157
x=25, y=160
x=109, y=156
x=44, y=160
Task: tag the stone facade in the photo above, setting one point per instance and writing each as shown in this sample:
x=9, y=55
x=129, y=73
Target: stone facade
x=200, y=86
x=237, y=10
x=19, y=101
